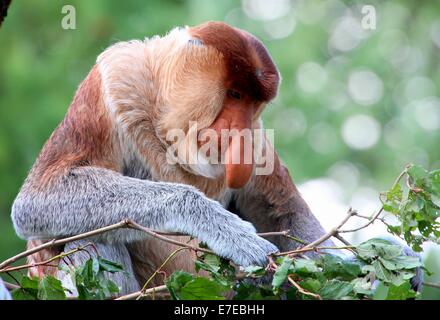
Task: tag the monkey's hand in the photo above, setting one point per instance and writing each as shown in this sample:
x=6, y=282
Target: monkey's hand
x=88, y=198
x=236, y=239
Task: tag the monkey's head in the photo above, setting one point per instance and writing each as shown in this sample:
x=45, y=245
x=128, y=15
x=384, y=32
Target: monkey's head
x=221, y=78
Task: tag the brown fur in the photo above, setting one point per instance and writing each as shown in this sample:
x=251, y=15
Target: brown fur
x=83, y=138
x=147, y=256
x=248, y=65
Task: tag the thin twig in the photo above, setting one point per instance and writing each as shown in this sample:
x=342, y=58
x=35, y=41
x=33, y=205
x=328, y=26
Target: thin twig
x=154, y=234
x=412, y=188
x=171, y=256
x=273, y=265
x=369, y=218
x=365, y=225
x=431, y=284
x=46, y=262
x=317, y=249
x=332, y=232
x=123, y=224
x=340, y=238
x=134, y=295
x=302, y=290
x=376, y=216
x=55, y=242
x=11, y=286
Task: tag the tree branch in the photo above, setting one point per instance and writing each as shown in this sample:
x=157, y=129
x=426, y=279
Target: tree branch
x=134, y=295
x=431, y=284
x=55, y=242
x=46, y=262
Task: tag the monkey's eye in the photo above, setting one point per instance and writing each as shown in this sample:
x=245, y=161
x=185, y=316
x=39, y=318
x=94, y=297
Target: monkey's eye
x=234, y=94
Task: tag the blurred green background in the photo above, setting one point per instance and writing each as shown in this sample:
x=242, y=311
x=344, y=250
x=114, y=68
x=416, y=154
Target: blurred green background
x=354, y=107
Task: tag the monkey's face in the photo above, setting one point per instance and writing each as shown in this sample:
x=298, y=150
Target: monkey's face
x=220, y=81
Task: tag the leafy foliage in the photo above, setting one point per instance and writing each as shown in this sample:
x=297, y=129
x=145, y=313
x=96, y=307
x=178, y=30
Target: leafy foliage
x=90, y=281
x=417, y=206
x=185, y=286
x=377, y=263
x=47, y=288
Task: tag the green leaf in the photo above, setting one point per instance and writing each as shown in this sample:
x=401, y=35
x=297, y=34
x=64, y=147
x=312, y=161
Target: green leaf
x=23, y=294
x=29, y=283
x=254, y=271
x=435, y=199
x=95, y=266
x=418, y=174
x=367, y=268
x=434, y=183
x=50, y=288
x=202, y=288
x=335, y=290
x=362, y=286
x=282, y=272
x=387, y=276
x=336, y=267
x=312, y=285
x=378, y=248
x=393, y=198
x=109, y=266
x=304, y=267
x=401, y=262
x=87, y=273
x=28, y=289
x=381, y=272
x=401, y=292
x=210, y=263
x=415, y=205
x=381, y=292
x=397, y=230
x=395, y=193
x=176, y=281
x=220, y=269
x=91, y=281
x=247, y=291
x=112, y=287
x=393, y=292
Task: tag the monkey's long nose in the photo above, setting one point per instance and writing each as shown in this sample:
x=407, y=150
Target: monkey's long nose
x=237, y=117
x=238, y=170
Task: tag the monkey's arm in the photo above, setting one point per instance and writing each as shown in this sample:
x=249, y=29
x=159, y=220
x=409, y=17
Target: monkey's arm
x=273, y=203
x=90, y=197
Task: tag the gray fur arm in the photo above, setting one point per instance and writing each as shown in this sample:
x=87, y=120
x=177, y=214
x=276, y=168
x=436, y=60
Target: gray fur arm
x=89, y=198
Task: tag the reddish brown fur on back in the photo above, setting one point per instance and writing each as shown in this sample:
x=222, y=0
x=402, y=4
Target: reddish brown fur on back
x=249, y=66
x=83, y=138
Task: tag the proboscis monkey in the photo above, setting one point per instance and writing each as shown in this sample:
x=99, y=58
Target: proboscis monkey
x=107, y=160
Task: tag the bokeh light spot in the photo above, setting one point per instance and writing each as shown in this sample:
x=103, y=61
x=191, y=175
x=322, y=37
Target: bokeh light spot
x=361, y=131
x=365, y=87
